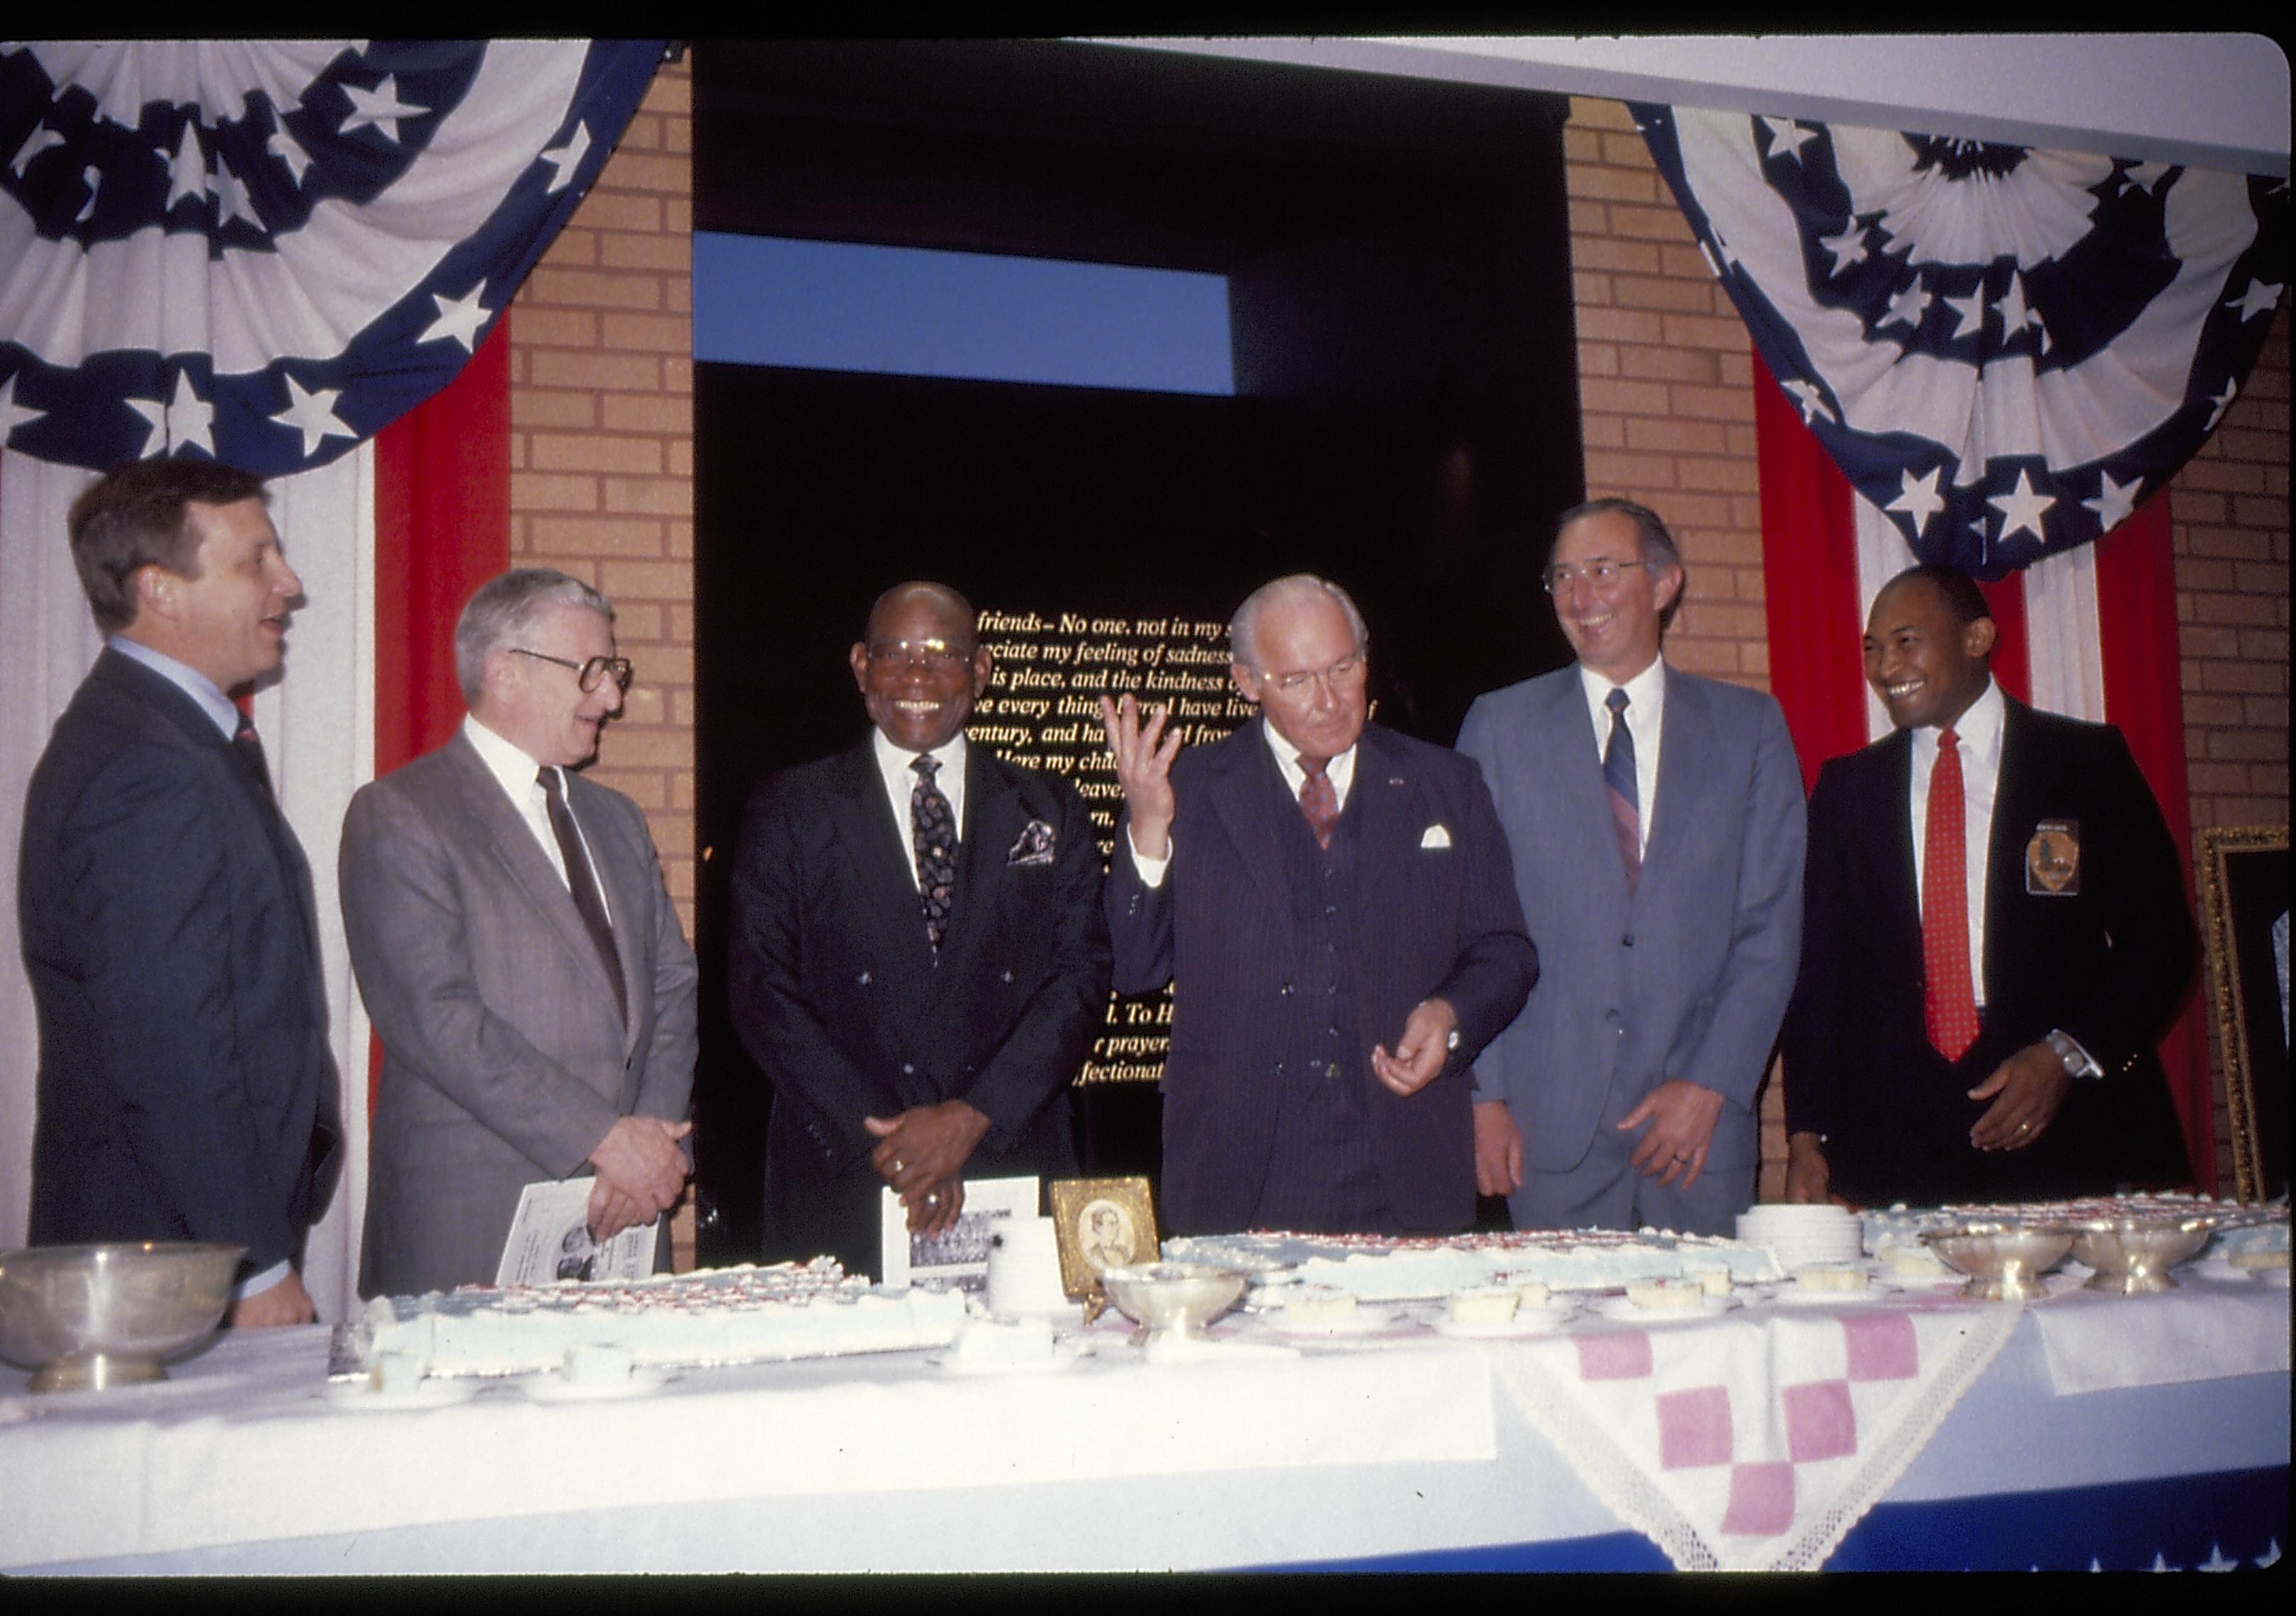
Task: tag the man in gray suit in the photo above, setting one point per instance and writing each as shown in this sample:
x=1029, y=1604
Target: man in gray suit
x=1655, y=820
x=519, y=954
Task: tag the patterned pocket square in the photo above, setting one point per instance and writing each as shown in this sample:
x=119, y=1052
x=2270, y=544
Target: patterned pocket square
x=1436, y=836
x=1035, y=846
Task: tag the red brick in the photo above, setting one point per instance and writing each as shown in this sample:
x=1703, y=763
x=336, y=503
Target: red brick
x=601, y=373
x=596, y=452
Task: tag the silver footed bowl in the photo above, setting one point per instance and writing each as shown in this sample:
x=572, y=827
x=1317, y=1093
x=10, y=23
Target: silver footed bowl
x=1173, y=1298
x=2132, y=1256
x=2004, y=1261
x=85, y=1317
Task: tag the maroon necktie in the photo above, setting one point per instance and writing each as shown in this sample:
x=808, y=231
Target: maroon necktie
x=1948, y=1006
x=250, y=747
x=1318, y=800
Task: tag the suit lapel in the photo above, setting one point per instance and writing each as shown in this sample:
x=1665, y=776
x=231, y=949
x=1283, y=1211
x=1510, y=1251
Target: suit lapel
x=883, y=880
x=1570, y=748
x=1686, y=752
x=1385, y=834
x=521, y=858
x=992, y=824
x=2014, y=812
x=1246, y=809
x=626, y=900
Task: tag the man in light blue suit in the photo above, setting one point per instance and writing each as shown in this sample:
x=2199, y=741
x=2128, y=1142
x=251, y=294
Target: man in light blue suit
x=1656, y=825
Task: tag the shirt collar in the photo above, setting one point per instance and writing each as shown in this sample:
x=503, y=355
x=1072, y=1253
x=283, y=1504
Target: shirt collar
x=506, y=761
x=1645, y=690
x=894, y=762
x=1340, y=771
x=1978, y=728
x=189, y=680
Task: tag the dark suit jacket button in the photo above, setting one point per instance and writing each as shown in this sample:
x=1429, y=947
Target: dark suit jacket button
x=1610, y=1015
x=1285, y=990
x=1628, y=941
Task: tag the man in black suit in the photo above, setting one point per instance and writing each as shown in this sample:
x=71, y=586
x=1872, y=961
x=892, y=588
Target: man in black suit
x=185, y=1087
x=1334, y=905
x=1995, y=937
x=919, y=963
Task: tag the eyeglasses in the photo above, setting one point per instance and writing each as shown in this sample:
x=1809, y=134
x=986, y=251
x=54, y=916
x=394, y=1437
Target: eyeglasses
x=588, y=674
x=1347, y=670
x=1602, y=572
x=934, y=656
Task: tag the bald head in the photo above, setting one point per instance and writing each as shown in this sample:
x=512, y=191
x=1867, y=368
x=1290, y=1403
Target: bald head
x=921, y=665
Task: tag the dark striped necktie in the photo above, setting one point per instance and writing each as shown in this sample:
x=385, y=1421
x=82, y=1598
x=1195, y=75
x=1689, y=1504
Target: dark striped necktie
x=1619, y=781
x=933, y=830
x=582, y=881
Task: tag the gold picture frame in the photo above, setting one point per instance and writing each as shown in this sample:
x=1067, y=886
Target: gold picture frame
x=1102, y=1221
x=2244, y=890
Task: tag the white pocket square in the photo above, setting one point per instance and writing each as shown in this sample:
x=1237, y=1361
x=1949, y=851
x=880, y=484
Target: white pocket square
x=1435, y=836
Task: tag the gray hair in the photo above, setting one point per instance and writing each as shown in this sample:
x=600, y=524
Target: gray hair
x=1657, y=546
x=505, y=609
x=1243, y=627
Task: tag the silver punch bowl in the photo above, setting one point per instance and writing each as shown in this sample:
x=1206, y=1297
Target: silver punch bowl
x=1172, y=1298
x=85, y=1317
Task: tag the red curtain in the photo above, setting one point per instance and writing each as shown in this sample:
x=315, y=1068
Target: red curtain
x=441, y=529
x=2145, y=697
x=1809, y=584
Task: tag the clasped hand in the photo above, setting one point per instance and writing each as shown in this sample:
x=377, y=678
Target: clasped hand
x=921, y=1152
x=641, y=1174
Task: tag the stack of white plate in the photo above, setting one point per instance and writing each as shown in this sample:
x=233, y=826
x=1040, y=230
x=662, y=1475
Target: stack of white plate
x=1799, y=1235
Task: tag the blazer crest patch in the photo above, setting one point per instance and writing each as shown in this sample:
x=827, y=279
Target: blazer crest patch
x=2053, y=859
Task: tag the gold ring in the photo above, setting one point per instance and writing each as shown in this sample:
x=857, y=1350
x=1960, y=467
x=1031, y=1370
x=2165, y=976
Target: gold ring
x=897, y=1164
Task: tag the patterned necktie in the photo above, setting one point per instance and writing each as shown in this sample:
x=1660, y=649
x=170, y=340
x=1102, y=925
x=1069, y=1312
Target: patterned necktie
x=1948, y=1006
x=1318, y=800
x=583, y=882
x=250, y=747
x=1619, y=784
x=933, y=833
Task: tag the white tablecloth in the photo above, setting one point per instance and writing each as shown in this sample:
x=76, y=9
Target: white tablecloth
x=243, y=1462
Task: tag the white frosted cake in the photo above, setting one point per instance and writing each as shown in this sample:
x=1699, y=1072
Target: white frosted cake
x=1383, y=1269
x=720, y=1316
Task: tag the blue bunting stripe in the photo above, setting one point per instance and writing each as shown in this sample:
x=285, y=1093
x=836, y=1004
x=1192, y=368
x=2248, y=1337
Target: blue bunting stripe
x=266, y=251
x=2005, y=349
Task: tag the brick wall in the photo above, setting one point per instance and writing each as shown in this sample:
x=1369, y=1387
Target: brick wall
x=603, y=453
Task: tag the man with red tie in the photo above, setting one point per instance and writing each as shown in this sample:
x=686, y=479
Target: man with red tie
x=1333, y=905
x=1995, y=937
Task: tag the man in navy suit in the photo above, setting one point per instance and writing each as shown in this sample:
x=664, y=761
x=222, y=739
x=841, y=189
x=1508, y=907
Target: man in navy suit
x=1333, y=904
x=919, y=965
x=1656, y=823
x=1997, y=937
x=185, y=1087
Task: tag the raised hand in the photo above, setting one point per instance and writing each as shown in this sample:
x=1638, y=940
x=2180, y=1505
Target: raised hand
x=1143, y=754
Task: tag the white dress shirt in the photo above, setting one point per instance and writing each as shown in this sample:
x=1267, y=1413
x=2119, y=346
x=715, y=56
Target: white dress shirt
x=1646, y=712
x=520, y=777
x=1978, y=735
x=897, y=768
x=1340, y=771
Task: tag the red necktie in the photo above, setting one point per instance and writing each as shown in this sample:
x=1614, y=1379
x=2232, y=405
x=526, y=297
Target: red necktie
x=1318, y=800
x=1948, y=1006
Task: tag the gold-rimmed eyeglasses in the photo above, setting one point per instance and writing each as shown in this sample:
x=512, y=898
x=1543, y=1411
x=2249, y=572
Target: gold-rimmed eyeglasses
x=935, y=656
x=589, y=674
x=1340, y=674
x=1600, y=572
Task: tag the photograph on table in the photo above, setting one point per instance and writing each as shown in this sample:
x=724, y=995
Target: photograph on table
x=1103, y=1223
x=958, y=1256
x=2244, y=921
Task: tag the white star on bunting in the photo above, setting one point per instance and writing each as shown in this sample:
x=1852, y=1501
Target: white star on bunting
x=459, y=319
x=154, y=412
x=2113, y=502
x=379, y=108
x=313, y=415
x=187, y=176
x=2261, y=297
x=1848, y=248
x=2223, y=402
x=14, y=414
x=1787, y=138
x=190, y=419
x=2022, y=509
x=38, y=141
x=1806, y=395
x=567, y=158
x=231, y=201
x=91, y=177
x=2215, y=1562
x=1918, y=497
x=1971, y=310
x=287, y=150
x=1907, y=305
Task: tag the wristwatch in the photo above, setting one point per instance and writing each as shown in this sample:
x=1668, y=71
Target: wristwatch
x=2075, y=1059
